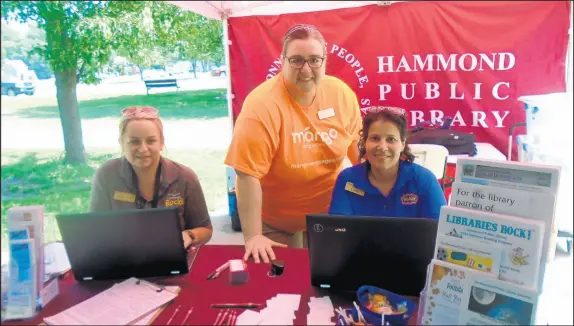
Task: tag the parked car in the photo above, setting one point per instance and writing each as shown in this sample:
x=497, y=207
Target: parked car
x=17, y=78
x=155, y=74
x=219, y=71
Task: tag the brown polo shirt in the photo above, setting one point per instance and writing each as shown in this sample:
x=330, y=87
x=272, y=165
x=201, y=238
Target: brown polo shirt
x=114, y=189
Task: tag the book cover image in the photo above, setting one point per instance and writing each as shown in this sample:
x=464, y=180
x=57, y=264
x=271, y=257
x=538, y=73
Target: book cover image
x=500, y=307
x=497, y=302
x=520, y=239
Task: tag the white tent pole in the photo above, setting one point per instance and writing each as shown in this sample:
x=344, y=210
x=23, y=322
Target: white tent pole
x=570, y=55
x=226, y=44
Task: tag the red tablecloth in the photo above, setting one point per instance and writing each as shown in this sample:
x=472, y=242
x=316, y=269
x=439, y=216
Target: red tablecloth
x=199, y=293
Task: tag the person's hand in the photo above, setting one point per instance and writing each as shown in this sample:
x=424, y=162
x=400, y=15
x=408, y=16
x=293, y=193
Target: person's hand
x=187, y=240
x=260, y=246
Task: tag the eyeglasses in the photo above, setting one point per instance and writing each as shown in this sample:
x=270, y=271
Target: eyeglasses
x=298, y=62
x=390, y=109
x=133, y=110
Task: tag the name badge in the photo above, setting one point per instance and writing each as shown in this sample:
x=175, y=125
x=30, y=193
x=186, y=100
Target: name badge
x=125, y=197
x=326, y=113
x=349, y=186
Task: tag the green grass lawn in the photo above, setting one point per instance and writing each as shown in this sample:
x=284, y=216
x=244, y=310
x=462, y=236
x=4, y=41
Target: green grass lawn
x=204, y=104
x=39, y=178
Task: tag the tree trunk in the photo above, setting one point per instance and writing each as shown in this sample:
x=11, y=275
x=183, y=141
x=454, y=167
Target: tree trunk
x=204, y=65
x=141, y=72
x=194, y=67
x=66, y=82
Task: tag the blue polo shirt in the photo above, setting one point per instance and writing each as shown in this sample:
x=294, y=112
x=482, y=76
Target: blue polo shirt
x=416, y=193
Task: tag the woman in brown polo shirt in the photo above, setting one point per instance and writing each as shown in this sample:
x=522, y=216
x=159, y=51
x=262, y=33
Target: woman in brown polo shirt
x=142, y=178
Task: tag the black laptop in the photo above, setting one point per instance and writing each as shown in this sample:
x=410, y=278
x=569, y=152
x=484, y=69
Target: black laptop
x=122, y=244
x=391, y=253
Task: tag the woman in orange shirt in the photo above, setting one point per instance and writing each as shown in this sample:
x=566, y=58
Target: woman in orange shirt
x=289, y=143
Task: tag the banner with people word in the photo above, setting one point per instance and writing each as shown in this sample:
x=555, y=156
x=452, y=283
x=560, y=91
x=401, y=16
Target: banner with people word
x=466, y=60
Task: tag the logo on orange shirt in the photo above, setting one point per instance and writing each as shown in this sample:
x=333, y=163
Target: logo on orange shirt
x=409, y=199
x=308, y=137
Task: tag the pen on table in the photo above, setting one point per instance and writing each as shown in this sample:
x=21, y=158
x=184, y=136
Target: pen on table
x=175, y=312
x=216, y=272
x=236, y=305
x=187, y=315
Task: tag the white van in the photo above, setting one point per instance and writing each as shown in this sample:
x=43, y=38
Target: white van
x=17, y=78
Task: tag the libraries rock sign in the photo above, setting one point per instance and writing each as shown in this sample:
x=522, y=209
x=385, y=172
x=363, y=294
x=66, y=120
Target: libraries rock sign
x=465, y=60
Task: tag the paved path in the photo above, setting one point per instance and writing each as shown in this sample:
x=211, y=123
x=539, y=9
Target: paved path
x=22, y=133
x=29, y=133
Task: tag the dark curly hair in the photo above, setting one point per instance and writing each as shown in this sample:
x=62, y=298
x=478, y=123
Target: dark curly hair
x=378, y=113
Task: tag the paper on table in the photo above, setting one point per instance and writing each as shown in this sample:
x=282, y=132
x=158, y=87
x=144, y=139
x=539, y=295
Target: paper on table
x=280, y=310
x=248, y=317
x=321, y=311
x=149, y=318
x=121, y=304
x=56, y=259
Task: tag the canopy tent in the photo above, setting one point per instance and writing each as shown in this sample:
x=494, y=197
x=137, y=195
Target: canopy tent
x=223, y=9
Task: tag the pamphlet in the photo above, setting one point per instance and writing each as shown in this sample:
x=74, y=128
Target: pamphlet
x=509, y=175
x=446, y=287
x=22, y=285
x=519, y=238
x=531, y=205
x=32, y=219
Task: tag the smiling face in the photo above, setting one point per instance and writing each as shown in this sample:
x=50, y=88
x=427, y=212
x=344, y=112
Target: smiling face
x=303, y=64
x=142, y=143
x=384, y=145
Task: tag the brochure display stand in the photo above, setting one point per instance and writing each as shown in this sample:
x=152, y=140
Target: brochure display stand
x=493, y=242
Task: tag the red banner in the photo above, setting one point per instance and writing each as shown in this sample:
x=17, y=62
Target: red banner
x=467, y=60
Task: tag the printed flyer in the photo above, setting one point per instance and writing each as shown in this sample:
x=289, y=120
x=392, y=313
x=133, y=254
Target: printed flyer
x=520, y=239
x=532, y=205
x=445, y=290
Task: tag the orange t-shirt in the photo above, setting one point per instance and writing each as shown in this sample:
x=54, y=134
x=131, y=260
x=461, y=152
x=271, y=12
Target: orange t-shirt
x=295, y=152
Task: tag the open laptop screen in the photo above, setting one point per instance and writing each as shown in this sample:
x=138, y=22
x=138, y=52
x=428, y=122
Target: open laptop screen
x=392, y=253
x=123, y=244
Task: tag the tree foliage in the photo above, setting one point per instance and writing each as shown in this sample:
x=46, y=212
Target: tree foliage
x=17, y=42
x=82, y=36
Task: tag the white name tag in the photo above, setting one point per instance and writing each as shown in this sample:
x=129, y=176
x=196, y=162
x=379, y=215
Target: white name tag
x=327, y=113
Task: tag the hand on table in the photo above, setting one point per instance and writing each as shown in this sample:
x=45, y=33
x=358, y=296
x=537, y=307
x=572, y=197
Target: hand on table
x=261, y=246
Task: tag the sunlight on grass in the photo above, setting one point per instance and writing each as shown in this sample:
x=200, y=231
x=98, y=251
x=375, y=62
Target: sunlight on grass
x=40, y=178
x=196, y=104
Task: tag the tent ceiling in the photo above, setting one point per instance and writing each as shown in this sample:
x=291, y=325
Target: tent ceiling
x=220, y=9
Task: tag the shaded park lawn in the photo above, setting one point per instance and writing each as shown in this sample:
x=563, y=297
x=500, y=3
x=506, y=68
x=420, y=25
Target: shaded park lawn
x=197, y=104
x=39, y=178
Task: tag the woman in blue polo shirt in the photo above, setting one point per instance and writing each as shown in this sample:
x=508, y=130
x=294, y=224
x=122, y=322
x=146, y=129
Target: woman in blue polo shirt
x=387, y=183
